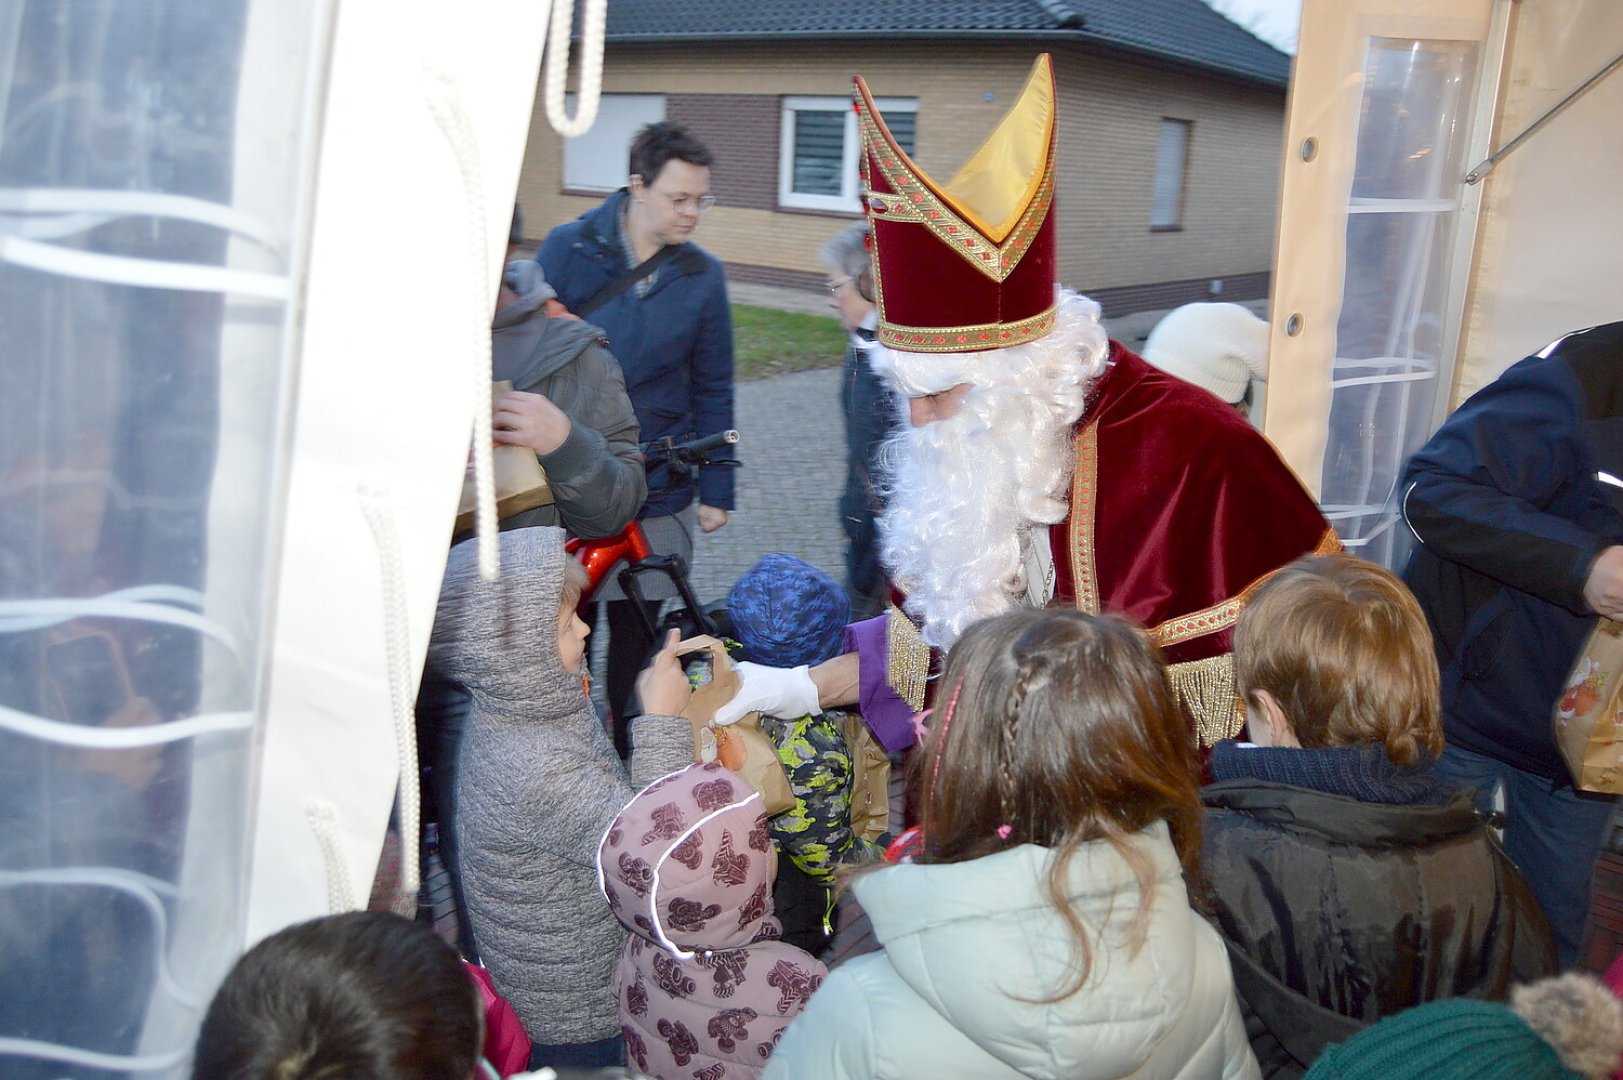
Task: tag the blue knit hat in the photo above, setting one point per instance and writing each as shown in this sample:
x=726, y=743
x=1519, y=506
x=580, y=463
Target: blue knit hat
x=786, y=612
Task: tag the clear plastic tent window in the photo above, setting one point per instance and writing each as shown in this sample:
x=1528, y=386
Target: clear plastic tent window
x=223, y=224
x=1402, y=213
x=151, y=162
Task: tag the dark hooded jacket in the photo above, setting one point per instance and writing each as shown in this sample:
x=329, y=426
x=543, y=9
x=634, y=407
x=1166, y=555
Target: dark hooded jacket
x=596, y=475
x=1339, y=911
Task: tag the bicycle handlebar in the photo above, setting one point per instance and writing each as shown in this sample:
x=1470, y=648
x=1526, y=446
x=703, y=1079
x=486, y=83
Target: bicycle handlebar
x=693, y=452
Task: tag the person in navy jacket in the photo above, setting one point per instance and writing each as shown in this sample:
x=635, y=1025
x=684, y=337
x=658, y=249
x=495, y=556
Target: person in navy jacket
x=672, y=332
x=1517, y=504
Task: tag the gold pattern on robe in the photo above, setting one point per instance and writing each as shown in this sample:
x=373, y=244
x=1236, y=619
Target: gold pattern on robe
x=908, y=668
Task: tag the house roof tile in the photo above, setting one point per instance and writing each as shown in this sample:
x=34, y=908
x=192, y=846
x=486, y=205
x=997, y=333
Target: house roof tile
x=1187, y=31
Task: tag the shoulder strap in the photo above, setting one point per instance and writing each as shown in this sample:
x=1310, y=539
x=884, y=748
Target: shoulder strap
x=628, y=279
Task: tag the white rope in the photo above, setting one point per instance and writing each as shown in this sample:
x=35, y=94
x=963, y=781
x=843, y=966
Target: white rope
x=92, y=1059
x=144, y=273
x=147, y=890
x=95, y=207
x=143, y=603
x=63, y=733
x=397, y=644
x=443, y=102
x=594, y=20
x=323, y=821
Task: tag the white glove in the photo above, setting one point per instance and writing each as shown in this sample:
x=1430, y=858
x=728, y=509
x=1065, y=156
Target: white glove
x=783, y=692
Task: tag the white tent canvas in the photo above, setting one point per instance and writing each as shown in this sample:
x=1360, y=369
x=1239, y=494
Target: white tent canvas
x=1400, y=287
x=248, y=256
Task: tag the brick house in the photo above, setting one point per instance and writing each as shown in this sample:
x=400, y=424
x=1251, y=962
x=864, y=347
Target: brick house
x=1171, y=121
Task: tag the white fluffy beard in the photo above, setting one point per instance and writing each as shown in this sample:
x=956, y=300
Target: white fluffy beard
x=964, y=493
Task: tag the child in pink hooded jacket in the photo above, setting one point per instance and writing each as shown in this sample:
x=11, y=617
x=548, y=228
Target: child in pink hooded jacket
x=704, y=986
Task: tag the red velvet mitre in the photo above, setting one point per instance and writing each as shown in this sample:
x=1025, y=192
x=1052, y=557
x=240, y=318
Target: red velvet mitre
x=968, y=265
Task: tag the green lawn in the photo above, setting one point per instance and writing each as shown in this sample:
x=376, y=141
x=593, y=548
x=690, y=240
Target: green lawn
x=769, y=342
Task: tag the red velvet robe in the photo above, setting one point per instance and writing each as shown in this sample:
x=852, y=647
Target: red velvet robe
x=1178, y=509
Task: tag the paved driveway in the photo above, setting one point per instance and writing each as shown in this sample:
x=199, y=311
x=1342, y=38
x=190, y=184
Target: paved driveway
x=792, y=443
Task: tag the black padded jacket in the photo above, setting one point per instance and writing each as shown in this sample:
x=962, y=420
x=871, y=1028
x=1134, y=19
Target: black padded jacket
x=1339, y=912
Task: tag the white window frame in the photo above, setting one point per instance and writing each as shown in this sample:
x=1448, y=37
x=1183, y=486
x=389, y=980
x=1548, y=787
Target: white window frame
x=596, y=161
x=1159, y=219
x=847, y=201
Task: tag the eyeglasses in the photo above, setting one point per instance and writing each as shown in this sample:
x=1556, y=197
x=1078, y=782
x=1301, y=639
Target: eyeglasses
x=834, y=287
x=684, y=203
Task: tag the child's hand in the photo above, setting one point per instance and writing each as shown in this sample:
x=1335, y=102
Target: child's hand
x=663, y=687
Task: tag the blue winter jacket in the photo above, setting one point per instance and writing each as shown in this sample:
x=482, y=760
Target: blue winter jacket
x=872, y=415
x=675, y=344
x=1512, y=505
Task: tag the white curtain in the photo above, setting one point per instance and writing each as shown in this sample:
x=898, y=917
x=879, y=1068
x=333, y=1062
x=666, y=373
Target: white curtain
x=248, y=252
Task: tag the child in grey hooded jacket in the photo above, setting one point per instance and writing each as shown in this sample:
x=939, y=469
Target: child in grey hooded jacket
x=538, y=782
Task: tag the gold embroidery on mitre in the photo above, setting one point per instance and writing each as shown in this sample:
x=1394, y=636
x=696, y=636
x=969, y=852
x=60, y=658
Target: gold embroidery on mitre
x=1084, y=494
x=1020, y=193
x=925, y=339
x=1206, y=688
x=907, y=658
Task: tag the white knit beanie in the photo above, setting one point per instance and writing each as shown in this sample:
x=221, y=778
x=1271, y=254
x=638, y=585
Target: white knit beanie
x=1220, y=347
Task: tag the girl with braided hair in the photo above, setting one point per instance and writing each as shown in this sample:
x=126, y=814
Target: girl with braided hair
x=1045, y=929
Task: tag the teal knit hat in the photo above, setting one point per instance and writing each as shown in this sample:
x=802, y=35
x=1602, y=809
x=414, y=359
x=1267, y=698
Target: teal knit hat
x=1467, y=1039
x=1460, y=1038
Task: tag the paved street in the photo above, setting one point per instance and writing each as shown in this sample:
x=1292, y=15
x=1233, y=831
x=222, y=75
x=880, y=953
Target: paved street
x=792, y=443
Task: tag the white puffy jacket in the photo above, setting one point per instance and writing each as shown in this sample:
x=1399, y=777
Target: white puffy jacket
x=970, y=948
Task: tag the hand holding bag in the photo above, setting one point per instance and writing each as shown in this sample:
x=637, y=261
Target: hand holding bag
x=1588, y=717
x=751, y=754
x=521, y=483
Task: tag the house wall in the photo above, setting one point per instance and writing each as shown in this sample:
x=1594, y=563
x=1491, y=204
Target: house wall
x=1110, y=115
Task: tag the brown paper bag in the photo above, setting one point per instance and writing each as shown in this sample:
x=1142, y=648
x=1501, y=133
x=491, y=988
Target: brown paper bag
x=1588, y=717
x=870, y=780
x=760, y=767
x=521, y=483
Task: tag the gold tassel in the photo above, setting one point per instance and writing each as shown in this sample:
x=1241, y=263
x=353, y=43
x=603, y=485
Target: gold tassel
x=1206, y=689
x=908, y=667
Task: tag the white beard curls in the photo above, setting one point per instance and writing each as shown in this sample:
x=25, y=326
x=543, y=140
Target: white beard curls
x=965, y=492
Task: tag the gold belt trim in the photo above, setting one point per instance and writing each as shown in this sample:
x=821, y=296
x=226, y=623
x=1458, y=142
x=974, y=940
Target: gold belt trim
x=1206, y=689
x=1221, y=616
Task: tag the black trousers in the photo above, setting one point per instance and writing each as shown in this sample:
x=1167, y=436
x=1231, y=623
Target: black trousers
x=628, y=648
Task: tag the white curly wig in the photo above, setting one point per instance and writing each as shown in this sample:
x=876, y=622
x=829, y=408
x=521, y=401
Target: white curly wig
x=965, y=492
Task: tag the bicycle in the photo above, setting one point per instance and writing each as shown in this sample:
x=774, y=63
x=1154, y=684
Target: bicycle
x=631, y=545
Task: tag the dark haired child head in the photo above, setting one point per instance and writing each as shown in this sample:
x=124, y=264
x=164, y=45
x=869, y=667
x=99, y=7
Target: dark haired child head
x=366, y=993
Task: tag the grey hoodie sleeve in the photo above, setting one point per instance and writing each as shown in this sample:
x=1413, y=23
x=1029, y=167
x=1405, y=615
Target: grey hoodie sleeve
x=597, y=474
x=660, y=745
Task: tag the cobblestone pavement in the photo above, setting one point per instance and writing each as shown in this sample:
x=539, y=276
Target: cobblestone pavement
x=792, y=444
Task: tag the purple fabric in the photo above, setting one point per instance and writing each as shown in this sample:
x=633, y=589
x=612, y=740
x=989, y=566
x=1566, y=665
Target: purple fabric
x=704, y=986
x=888, y=716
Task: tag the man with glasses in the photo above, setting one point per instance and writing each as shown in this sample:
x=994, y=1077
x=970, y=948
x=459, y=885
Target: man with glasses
x=629, y=266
